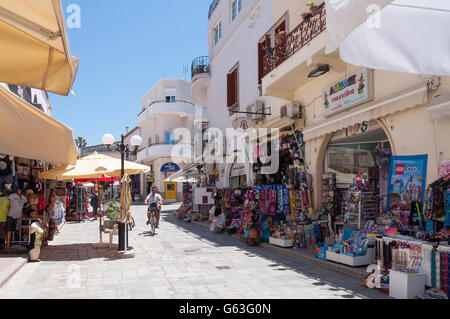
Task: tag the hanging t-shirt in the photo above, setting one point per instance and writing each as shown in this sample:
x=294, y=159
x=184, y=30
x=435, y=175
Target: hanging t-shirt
x=5, y=165
x=17, y=203
x=4, y=208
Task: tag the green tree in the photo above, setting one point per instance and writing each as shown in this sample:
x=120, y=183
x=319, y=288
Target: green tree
x=80, y=142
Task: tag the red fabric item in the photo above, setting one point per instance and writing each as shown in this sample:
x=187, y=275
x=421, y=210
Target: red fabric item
x=41, y=203
x=104, y=179
x=273, y=202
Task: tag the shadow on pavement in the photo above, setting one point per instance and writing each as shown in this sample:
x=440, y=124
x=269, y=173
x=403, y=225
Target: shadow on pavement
x=323, y=276
x=79, y=252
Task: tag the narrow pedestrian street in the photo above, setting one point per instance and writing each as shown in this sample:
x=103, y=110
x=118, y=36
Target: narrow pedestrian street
x=183, y=261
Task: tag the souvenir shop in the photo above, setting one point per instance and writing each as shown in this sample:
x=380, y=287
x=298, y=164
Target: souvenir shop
x=377, y=212
x=48, y=198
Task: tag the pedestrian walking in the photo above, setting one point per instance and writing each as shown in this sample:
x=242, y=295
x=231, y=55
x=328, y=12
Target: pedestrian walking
x=94, y=204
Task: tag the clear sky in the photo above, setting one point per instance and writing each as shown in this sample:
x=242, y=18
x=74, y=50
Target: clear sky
x=124, y=48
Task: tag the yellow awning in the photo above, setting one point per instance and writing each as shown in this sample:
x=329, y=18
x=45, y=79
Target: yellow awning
x=28, y=132
x=34, y=50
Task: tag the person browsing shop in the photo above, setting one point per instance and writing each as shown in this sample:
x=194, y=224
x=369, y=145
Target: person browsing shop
x=94, y=204
x=36, y=236
x=154, y=199
x=17, y=201
x=4, y=209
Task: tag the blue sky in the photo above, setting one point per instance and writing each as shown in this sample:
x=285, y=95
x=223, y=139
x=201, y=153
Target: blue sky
x=124, y=48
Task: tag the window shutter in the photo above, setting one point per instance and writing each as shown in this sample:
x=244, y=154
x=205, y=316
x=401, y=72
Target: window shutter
x=229, y=90
x=232, y=88
x=236, y=87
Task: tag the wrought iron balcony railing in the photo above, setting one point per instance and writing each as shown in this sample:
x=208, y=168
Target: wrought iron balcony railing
x=303, y=34
x=200, y=65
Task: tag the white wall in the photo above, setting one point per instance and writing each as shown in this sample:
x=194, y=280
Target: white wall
x=157, y=92
x=41, y=96
x=238, y=44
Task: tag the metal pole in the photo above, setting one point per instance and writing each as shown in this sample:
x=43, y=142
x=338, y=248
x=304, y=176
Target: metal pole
x=122, y=226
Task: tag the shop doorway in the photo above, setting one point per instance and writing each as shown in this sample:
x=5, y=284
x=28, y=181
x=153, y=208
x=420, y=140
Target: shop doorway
x=363, y=155
x=171, y=191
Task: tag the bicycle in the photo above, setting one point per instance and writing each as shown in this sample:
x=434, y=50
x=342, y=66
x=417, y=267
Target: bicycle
x=153, y=212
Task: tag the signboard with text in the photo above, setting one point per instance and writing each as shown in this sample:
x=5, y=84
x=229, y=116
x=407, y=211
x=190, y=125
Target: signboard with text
x=170, y=167
x=354, y=90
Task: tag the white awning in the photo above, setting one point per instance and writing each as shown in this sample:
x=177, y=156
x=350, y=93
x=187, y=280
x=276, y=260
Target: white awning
x=28, y=132
x=408, y=36
x=181, y=173
x=440, y=107
x=398, y=102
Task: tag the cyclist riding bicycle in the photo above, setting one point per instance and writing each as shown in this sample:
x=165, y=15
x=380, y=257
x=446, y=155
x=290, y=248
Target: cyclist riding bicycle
x=154, y=202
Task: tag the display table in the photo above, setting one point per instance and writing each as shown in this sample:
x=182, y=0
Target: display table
x=406, y=286
x=285, y=243
x=356, y=261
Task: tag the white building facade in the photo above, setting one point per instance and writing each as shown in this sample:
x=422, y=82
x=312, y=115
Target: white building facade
x=231, y=84
x=166, y=125
x=35, y=97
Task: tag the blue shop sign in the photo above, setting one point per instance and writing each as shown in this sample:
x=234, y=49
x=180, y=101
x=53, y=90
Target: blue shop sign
x=170, y=167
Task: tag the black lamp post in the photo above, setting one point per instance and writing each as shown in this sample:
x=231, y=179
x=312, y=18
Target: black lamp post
x=123, y=148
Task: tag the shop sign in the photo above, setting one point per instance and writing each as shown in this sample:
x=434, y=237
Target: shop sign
x=349, y=92
x=150, y=178
x=170, y=167
x=238, y=170
x=243, y=123
x=357, y=129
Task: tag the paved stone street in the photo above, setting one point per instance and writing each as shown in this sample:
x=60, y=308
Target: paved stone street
x=182, y=261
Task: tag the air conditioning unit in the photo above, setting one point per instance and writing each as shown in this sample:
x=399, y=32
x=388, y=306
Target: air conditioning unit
x=292, y=110
x=249, y=110
x=259, y=108
x=284, y=112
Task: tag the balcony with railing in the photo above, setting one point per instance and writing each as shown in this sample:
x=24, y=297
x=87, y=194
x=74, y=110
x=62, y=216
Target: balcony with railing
x=293, y=42
x=201, y=79
x=163, y=108
x=158, y=150
x=200, y=65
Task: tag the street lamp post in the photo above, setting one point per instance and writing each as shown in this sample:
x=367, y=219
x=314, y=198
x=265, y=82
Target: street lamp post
x=123, y=148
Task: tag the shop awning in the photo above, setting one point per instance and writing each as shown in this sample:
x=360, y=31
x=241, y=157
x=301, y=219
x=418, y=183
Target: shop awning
x=28, y=132
x=398, y=102
x=440, y=107
x=408, y=36
x=183, y=173
x=34, y=49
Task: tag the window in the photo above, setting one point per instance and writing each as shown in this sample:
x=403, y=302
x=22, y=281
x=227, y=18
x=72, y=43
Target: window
x=233, y=88
x=170, y=137
x=149, y=141
x=170, y=99
x=218, y=32
x=236, y=7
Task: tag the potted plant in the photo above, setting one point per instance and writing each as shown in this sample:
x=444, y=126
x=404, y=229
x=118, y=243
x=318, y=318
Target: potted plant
x=268, y=50
x=279, y=38
x=307, y=16
x=112, y=213
x=312, y=7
